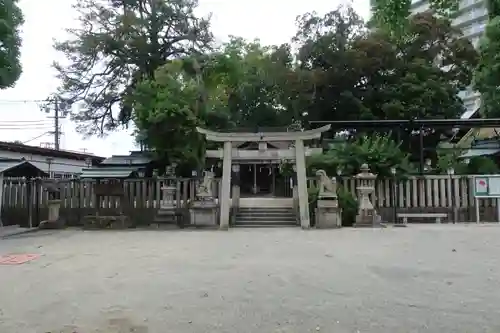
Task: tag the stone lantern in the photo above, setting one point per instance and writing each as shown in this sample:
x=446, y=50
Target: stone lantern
x=367, y=215
x=168, y=190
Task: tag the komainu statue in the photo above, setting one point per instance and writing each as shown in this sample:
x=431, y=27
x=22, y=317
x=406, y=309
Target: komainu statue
x=327, y=186
x=205, y=189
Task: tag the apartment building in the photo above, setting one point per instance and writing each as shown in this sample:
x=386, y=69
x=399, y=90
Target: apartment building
x=472, y=19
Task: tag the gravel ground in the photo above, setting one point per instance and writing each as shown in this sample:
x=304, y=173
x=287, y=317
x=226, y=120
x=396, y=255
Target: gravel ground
x=418, y=279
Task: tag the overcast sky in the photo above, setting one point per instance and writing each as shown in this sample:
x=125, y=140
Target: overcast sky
x=272, y=21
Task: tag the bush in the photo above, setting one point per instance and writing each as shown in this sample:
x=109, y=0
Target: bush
x=380, y=152
x=349, y=205
x=482, y=165
x=312, y=194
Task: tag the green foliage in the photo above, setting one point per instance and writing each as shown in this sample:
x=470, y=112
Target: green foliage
x=349, y=205
x=118, y=43
x=236, y=86
x=392, y=15
x=482, y=165
x=165, y=110
x=344, y=67
x=380, y=152
x=130, y=63
x=312, y=194
x=493, y=8
x=11, y=19
x=450, y=158
x=487, y=78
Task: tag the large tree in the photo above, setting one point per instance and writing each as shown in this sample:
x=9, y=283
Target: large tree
x=240, y=85
x=11, y=19
x=327, y=74
x=487, y=78
x=392, y=15
x=119, y=43
x=355, y=74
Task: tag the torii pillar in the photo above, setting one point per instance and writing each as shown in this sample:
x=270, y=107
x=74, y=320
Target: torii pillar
x=225, y=199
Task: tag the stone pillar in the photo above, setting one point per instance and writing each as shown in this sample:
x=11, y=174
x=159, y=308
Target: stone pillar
x=226, y=186
x=367, y=216
x=235, y=180
x=1, y=198
x=53, y=221
x=300, y=162
x=295, y=192
x=54, y=206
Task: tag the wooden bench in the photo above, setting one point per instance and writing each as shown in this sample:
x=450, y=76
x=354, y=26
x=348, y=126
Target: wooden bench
x=437, y=216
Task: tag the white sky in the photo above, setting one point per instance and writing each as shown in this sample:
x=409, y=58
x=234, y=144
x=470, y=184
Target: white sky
x=272, y=21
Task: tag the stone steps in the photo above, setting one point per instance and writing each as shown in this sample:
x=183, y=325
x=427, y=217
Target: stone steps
x=265, y=217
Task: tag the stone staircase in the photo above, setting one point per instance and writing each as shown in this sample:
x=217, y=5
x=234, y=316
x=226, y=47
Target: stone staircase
x=265, y=217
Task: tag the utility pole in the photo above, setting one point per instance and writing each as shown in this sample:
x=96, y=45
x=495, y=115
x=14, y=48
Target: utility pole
x=57, y=115
x=56, y=125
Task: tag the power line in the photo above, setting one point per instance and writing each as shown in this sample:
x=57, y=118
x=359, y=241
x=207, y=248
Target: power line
x=9, y=127
x=23, y=101
x=36, y=137
x=23, y=121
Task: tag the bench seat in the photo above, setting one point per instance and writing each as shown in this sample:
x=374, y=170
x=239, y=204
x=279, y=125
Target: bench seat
x=437, y=216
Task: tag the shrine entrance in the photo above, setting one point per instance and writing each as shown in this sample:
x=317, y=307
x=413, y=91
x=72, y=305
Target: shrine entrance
x=258, y=180
x=260, y=154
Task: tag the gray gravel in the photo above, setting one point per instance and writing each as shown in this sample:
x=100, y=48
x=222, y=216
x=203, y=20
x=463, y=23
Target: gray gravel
x=418, y=279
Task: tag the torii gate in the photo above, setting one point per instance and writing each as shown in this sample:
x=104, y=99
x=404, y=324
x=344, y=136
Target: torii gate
x=297, y=153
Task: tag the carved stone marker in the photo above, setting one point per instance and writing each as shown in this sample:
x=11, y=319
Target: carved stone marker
x=168, y=197
x=328, y=212
x=367, y=215
x=53, y=205
x=204, y=191
x=203, y=211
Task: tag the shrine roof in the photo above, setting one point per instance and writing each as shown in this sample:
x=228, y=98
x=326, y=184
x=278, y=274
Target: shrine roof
x=132, y=159
x=109, y=172
x=19, y=168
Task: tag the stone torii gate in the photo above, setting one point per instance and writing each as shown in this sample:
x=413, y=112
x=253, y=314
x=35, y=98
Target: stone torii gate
x=296, y=153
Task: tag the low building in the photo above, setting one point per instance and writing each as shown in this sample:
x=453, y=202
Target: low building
x=56, y=163
x=137, y=164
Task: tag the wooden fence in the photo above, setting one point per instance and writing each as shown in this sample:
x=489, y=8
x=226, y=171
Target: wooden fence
x=23, y=201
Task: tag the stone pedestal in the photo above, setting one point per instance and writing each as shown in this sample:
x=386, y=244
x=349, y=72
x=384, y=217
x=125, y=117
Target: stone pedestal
x=53, y=221
x=328, y=214
x=204, y=213
x=367, y=215
x=96, y=222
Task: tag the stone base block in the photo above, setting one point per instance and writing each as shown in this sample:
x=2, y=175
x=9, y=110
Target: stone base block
x=107, y=222
x=47, y=224
x=368, y=219
x=204, y=214
x=328, y=215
